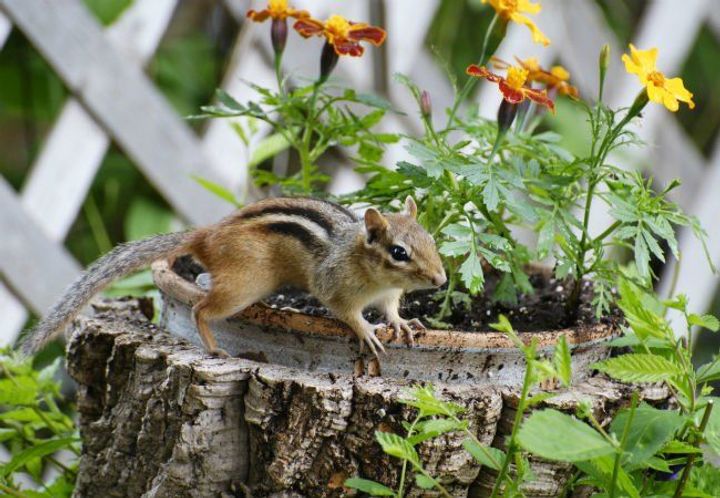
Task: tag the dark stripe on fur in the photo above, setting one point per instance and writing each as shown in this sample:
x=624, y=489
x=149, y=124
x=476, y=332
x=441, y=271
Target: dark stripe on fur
x=299, y=232
x=122, y=260
x=307, y=213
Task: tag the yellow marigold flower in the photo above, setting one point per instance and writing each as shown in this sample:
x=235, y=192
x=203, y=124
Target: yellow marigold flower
x=514, y=10
x=557, y=78
x=277, y=10
x=662, y=90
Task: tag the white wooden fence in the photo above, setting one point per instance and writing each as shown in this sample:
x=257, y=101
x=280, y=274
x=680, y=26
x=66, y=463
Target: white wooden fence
x=112, y=100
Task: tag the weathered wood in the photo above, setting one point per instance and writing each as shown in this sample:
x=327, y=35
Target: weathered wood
x=160, y=418
x=36, y=268
x=123, y=101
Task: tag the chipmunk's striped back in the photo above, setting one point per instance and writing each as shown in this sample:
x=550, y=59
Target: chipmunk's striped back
x=313, y=222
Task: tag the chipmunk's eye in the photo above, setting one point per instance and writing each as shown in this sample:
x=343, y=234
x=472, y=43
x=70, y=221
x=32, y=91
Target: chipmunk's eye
x=399, y=253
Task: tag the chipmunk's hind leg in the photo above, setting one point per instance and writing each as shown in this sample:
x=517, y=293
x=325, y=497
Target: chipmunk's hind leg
x=221, y=302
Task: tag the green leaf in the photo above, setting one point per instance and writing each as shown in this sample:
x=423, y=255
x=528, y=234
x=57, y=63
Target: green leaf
x=370, y=487
x=578, y=442
x=562, y=361
x=397, y=446
x=540, y=397
x=491, y=194
x=424, y=481
x=424, y=399
x=6, y=434
x=642, y=256
x=441, y=426
x=706, y=321
x=471, y=273
x=218, y=190
x=680, y=447
x=45, y=448
x=638, y=367
x=372, y=100
x=601, y=469
x=485, y=455
x=268, y=147
x=709, y=371
x=18, y=391
x=649, y=431
x=228, y=101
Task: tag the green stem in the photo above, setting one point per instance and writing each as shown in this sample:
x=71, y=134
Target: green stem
x=623, y=442
x=304, y=149
x=97, y=227
x=12, y=492
x=442, y=223
x=442, y=489
x=512, y=444
x=607, y=232
x=445, y=307
x=691, y=457
x=401, y=486
x=278, y=73
x=471, y=81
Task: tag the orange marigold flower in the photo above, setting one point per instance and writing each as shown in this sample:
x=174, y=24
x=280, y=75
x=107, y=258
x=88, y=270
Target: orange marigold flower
x=662, y=90
x=342, y=34
x=556, y=78
x=513, y=85
x=514, y=10
x=277, y=10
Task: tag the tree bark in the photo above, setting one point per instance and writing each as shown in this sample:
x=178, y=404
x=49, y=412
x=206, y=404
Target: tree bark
x=160, y=418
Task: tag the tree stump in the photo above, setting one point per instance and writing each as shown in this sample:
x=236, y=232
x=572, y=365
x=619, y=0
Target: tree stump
x=160, y=418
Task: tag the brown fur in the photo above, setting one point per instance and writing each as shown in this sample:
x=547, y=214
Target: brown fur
x=308, y=243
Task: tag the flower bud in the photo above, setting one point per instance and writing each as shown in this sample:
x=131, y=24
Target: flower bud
x=604, y=60
x=506, y=115
x=638, y=105
x=425, y=104
x=328, y=61
x=278, y=35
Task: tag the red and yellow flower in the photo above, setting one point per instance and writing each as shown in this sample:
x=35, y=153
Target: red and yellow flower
x=557, y=78
x=666, y=91
x=513, y=85
x=515, y=10
x=277, y=10
x=344, y=36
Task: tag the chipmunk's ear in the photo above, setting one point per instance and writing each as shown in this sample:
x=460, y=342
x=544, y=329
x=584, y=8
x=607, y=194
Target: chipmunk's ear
x=410, y=207
x=375, y=224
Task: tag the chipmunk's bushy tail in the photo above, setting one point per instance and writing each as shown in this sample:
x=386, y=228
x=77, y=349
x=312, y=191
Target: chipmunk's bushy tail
x=122, y=260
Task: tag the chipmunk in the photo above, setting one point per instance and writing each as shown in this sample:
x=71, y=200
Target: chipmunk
x=345, y=262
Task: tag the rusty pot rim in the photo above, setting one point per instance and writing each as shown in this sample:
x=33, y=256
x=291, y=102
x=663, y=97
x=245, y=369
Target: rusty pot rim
x=261, y=314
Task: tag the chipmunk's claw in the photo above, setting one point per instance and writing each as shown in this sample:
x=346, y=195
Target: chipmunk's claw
x=406, y=327
x=372, y=341
x=220, y=353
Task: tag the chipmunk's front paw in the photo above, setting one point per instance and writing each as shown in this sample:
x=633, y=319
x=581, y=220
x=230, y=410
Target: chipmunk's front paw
x=406, y=326
x=367, y=336
x=220, y=353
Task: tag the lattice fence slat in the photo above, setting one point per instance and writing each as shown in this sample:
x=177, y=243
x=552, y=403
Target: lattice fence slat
x=123, y=101
x=36, y=267
x=5, y=28
x=75, y=147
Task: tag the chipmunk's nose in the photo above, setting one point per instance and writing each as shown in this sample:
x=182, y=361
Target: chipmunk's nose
x=439, y=279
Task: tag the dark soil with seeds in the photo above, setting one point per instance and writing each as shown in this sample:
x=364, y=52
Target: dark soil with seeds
x=540, y=311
